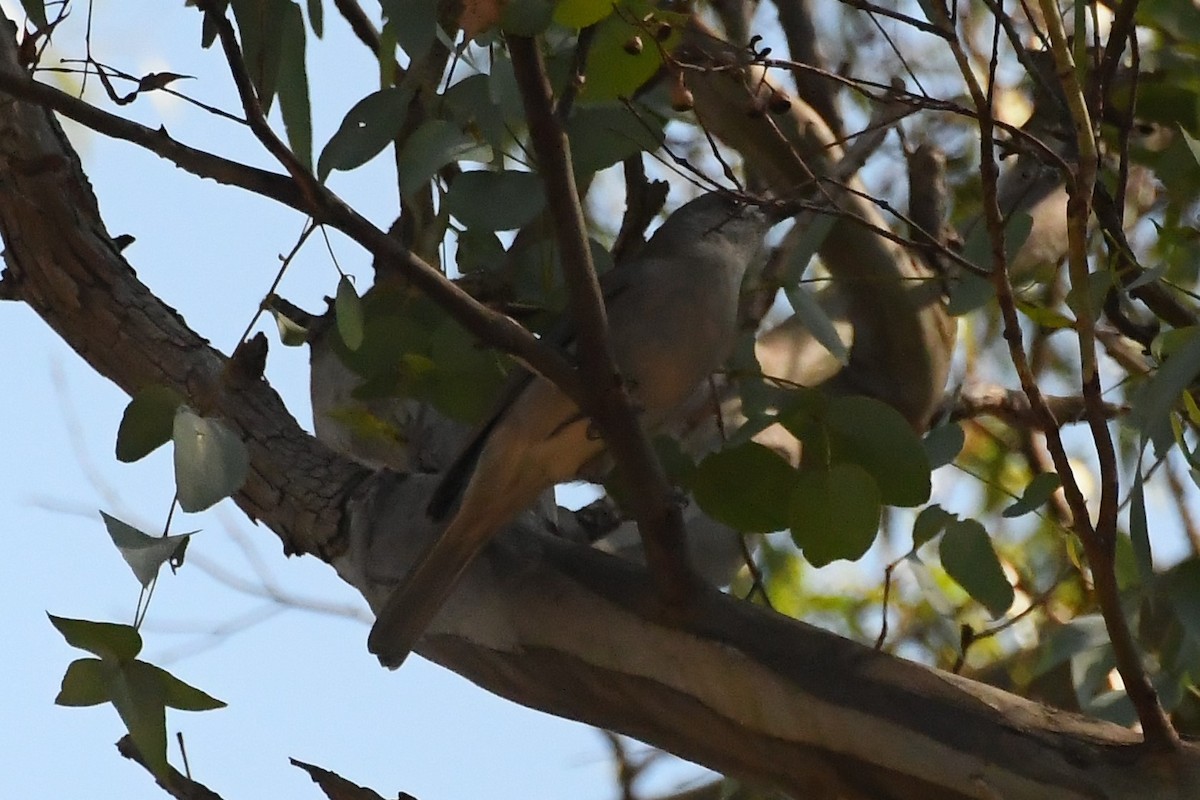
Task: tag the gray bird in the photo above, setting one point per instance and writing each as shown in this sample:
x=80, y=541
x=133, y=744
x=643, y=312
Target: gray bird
x=672, y=316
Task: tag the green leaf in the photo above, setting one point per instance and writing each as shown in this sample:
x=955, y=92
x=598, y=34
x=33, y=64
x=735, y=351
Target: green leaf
x=581, y=13
x=414, y=23
x=478, y=249
x=972, y=290
x=467, y=378
x=145, y=554
x=943, y=444
x=36, y=9
x=603, y=135
x=929, y=523
x=969, y=558
x=1183, y=590
x=184, y=696
x=1064, y=642
x=316, y=17
x=495, y=201
x=108, y=640
x=803, y=245
x=85, y=683
x=1139, y=529
x=367, y=128
x=818, y=323
x=978, y=247
x=139, y=697
x=834, y=513
x=291, y=334
x=616, y=67
x=1039, y=490
x=968, y=293
x=877, y=438
x=211, y=462
x=1154, y=400
x=262, y=43
x=526, y=17
x=293, y=84
x=432, y=146
x=348, y=311
x=147, y=422
x=745, y=487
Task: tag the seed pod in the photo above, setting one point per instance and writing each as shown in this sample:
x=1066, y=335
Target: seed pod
x=681, y=95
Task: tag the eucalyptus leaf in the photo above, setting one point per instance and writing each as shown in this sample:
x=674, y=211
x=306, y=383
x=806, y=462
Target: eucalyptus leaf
x=969, y=558
x=36, y=9
x=367, y=128
x=432, y=146
x=495, y=201
x=581, y=13
x=139, y=696
x=211, y=462
x=943, y=444
x=1040, y=489
x=745, y=487
x=818, y=323
x=929, y=523
x=147, y=422
x=292, y=83
x=1154, y=400
x=834, y=513
x=873, y=435
x=348, y=312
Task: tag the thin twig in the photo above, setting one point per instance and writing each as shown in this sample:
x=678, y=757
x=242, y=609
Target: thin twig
x=659, y=518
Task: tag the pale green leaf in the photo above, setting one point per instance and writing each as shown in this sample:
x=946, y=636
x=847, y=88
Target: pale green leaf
x=144, y=554
x=139, y=696
x=211, y=462
x=581, y=13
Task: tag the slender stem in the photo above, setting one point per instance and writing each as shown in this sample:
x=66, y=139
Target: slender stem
x=608, y=403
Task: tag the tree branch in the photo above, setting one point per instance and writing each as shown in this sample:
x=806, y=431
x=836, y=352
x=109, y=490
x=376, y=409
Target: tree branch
x=609, y=404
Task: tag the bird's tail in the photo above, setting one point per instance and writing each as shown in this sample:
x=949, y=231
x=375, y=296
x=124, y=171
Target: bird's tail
x=413, y=604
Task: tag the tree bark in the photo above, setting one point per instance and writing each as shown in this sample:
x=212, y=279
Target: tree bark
x=549, y=624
